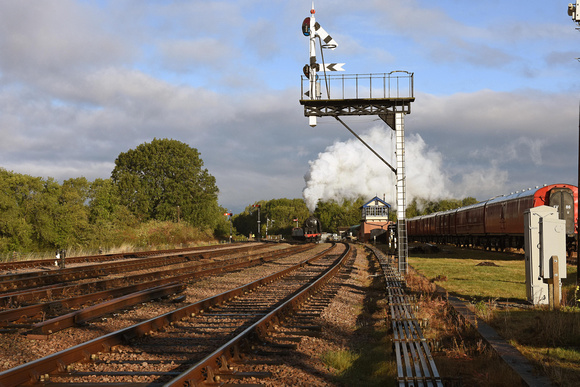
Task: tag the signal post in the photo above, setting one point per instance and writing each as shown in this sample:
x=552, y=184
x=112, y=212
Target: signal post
x=387, y=95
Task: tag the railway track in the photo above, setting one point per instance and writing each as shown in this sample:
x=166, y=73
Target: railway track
x=163, y=348
x=38, y=263
x=117, y=292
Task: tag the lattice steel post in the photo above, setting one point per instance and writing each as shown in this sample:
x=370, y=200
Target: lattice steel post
x=403, y=247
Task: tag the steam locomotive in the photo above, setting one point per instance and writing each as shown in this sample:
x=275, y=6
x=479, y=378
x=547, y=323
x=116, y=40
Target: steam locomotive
x=310, y=232
x=498, y=222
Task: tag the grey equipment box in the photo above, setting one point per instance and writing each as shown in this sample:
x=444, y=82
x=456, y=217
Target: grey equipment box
x=544, y=237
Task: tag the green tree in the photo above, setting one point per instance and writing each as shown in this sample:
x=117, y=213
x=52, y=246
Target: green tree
x=413, y=209
x=71, y=213
x=58, y=214
x=333, y=215
x=41, y=214
x=15, y=191
x=165, y=180
x=419, y=206
x=469, y=201
x=280, y=213
x=107, y=216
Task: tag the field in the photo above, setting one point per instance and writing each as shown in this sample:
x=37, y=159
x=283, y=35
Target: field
x=474, y=275
x=494, y=283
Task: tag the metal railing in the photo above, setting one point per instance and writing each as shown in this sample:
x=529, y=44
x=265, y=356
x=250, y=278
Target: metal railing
x=393, y=85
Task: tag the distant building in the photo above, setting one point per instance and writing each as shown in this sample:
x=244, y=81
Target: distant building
x=374, y=219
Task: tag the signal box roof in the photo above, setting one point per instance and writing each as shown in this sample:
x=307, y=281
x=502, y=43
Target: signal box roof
x=375, y=202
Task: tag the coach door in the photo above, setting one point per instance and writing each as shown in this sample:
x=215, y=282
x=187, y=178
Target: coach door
x=563, y=200
x=502, y=217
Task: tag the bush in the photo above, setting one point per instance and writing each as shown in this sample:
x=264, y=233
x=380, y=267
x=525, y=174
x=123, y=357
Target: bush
x=157, y=233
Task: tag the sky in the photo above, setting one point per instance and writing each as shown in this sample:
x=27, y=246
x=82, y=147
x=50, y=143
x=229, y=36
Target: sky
x=496, y=88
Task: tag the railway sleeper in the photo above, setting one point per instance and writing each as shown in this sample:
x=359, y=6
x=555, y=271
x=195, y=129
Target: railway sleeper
x=279, y=345
x=243, y=375
x=302, y=333
x=76, y=374
x=316, y=328
x=289, y=338
x=88, y=349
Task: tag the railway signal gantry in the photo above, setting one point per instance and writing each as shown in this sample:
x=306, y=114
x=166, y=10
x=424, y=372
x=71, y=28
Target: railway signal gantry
x=388, y=95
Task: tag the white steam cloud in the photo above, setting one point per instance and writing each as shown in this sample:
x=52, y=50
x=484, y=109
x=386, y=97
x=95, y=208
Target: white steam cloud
x=348, y=170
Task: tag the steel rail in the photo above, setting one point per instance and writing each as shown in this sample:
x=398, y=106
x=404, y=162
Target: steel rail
x=84, y=315
x=24, y=264
x=92, y=271
x=23, y=314
x=58, y=362
x=35, y=279
x=216, y=364
x=171, y=276
x=169, y=287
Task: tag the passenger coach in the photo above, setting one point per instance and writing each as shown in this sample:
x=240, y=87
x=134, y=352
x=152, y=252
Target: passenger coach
x=498, y=222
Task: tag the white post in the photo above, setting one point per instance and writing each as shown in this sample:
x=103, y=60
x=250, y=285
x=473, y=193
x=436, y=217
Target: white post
x=313, y=64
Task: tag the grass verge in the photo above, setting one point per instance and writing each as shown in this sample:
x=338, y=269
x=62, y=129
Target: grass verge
x=549, y=339
x=473, y=276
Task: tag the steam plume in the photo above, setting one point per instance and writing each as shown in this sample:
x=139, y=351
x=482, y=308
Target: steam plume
x=347, y=170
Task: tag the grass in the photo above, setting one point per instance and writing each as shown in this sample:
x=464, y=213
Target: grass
x=549, y=339
x=339, y=360
x=457, y=270
x=464, y=278
x=151, y=235
x=370, y=364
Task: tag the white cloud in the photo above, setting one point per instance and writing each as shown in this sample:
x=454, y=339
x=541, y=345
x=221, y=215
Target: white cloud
x=54, y=38
x=81, y=82
x=482, y=183
x=188, y=55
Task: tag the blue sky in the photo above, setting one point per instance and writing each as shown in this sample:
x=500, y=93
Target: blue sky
x=496, y=86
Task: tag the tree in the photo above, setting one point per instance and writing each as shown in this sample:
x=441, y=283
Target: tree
x=71, y=213
x=280, y=212
x=107, y=216
x=469, y=201
x=419, y=206
x=58, y=214
x=165, y=180
x=333, y=215
x=15, y=190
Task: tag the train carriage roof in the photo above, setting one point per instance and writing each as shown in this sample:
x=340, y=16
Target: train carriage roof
x=472, y=206
x=447, y=212
x=512, y=196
